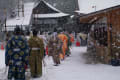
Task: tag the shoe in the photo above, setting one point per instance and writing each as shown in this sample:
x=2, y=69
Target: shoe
x=56, y=65
x=67, y=55
x=39, y=76
x=59, y=63
x=34, y=76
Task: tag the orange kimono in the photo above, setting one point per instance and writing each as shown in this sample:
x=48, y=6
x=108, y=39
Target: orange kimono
x=72, y=38
x=64, y=39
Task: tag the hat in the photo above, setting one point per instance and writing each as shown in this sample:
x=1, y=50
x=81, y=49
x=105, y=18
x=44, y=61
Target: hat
x=17, y=30
x=35, y=32
x=55, y=30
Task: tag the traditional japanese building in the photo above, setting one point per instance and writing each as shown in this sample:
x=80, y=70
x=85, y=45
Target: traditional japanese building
x=104, y=32
x=6, y=9
x=24, y=20
x=66, y=6
x=47, y=17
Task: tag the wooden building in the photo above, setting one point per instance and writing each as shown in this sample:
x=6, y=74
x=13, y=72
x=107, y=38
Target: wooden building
x=104, y=32
x=47, y=17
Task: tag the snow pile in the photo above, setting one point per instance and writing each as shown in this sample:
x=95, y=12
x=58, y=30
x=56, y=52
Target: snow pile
x=2, y=59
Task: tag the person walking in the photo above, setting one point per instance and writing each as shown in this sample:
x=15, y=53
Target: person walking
x=68, y=43
x=64, y=40
x=54, y=48
x=16, y=56
x=36, y=54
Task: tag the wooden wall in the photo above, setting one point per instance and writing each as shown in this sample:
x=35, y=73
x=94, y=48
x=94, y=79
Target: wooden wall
x=113, y=32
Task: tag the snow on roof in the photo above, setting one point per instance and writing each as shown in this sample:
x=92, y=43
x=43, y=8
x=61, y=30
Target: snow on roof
x=48, y=6
x=28, y=7
x=52, y=7
x=51, y=15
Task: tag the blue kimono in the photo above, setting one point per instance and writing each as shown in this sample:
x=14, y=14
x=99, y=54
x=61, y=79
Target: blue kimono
x=16, y=57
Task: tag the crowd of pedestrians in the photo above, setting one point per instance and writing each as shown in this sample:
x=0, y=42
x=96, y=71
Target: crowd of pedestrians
x=22, y=54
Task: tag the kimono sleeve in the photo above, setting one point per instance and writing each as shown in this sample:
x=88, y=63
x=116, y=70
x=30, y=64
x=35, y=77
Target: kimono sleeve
x=8, y=52
x=26, y=51
x=41, y=48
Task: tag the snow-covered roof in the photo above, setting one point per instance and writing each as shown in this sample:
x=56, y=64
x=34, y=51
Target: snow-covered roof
x=51, y=15
x=78, y=11
x=28, y=7
x=47, y=5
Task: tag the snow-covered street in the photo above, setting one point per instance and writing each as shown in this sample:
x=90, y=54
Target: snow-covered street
x=74, y=68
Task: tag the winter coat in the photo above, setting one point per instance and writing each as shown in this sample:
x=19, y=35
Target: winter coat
x=36, y=55
x=16, y=57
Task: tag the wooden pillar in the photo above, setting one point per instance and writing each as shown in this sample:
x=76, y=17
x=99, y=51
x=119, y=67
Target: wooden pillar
x=18, y=8
x=23, y=8
x=5, y=12
x=109, y=36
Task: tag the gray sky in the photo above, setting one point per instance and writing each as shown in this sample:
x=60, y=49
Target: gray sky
x=86, y=5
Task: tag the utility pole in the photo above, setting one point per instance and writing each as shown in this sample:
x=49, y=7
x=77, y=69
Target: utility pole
x=6, y=34
x=20, y=7
x=5, y=11
x=77, y=5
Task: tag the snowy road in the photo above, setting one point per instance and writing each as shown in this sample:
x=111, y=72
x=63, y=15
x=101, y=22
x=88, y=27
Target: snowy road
x=74, y=68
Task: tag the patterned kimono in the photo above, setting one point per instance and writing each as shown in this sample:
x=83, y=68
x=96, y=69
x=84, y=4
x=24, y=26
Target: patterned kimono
x=16, y=57
x=54, y=49
x=36, y=56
